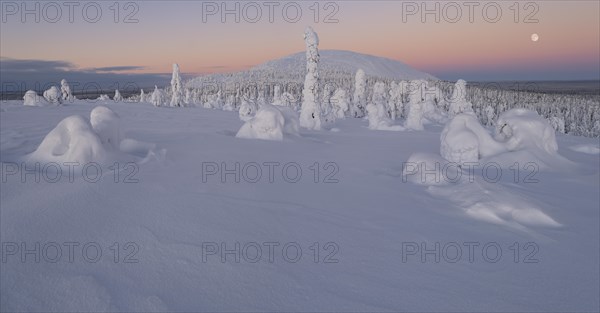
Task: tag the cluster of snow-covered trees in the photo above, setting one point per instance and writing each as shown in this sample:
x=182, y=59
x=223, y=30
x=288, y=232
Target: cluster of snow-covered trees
x=52, y=95
x=567, y=113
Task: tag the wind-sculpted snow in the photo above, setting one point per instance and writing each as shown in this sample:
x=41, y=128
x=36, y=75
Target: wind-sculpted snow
x=478, y=196
x=522, y=139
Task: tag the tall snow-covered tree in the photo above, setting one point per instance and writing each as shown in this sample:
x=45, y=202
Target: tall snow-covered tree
x=65, y=89
x=310, y=114
x=359, y=101
x=176, y=88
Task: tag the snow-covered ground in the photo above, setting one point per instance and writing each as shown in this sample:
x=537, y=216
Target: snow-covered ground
x=168, y=223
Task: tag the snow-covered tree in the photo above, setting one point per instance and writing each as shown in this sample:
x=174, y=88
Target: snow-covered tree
x=158, y=97
x=395, y=105
x=414, y=117
x=248, y=109
x=277, y=100
x=53, y=95
x=558, y=123
x=229, y=103
x=117, y=97
x=359, y=101
x=176, y=88
x=310, y=114
x=377, y=110
x=490, y=115
x=65, y=89
x=142, y=96
x=31, y=98
x=188, y=97
x=458, y=101
x=340, y=103
x=289, y=100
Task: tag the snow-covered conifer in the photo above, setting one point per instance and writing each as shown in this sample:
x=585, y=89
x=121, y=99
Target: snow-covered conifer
x=142, y=96
x=414, y=117
x=118, y=97
x=158, y=97
x=458, y=102
x=53, y=95
x=340, y=103
x=310, y=114
x=359, y=101
x=65, y=89
x=176, y=88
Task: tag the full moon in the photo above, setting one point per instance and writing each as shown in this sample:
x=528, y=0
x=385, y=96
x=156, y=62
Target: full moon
x=535, y=37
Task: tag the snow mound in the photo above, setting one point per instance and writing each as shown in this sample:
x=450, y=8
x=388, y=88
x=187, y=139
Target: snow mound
x=465, y=140
x=107, y=125
x=72, y=140
x=524, y=129
x=31, y=98
x=269, y=123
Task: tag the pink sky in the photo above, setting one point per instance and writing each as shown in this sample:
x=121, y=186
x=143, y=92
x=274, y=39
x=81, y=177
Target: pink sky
x=170, y=32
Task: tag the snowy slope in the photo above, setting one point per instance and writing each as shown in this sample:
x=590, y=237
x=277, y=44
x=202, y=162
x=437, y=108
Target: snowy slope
x=333, y=62
x=365, y=209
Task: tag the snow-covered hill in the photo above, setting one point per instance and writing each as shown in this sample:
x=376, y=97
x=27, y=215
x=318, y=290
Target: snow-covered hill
x=334, y=64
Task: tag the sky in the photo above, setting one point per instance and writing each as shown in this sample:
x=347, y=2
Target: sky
x=140, y=40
